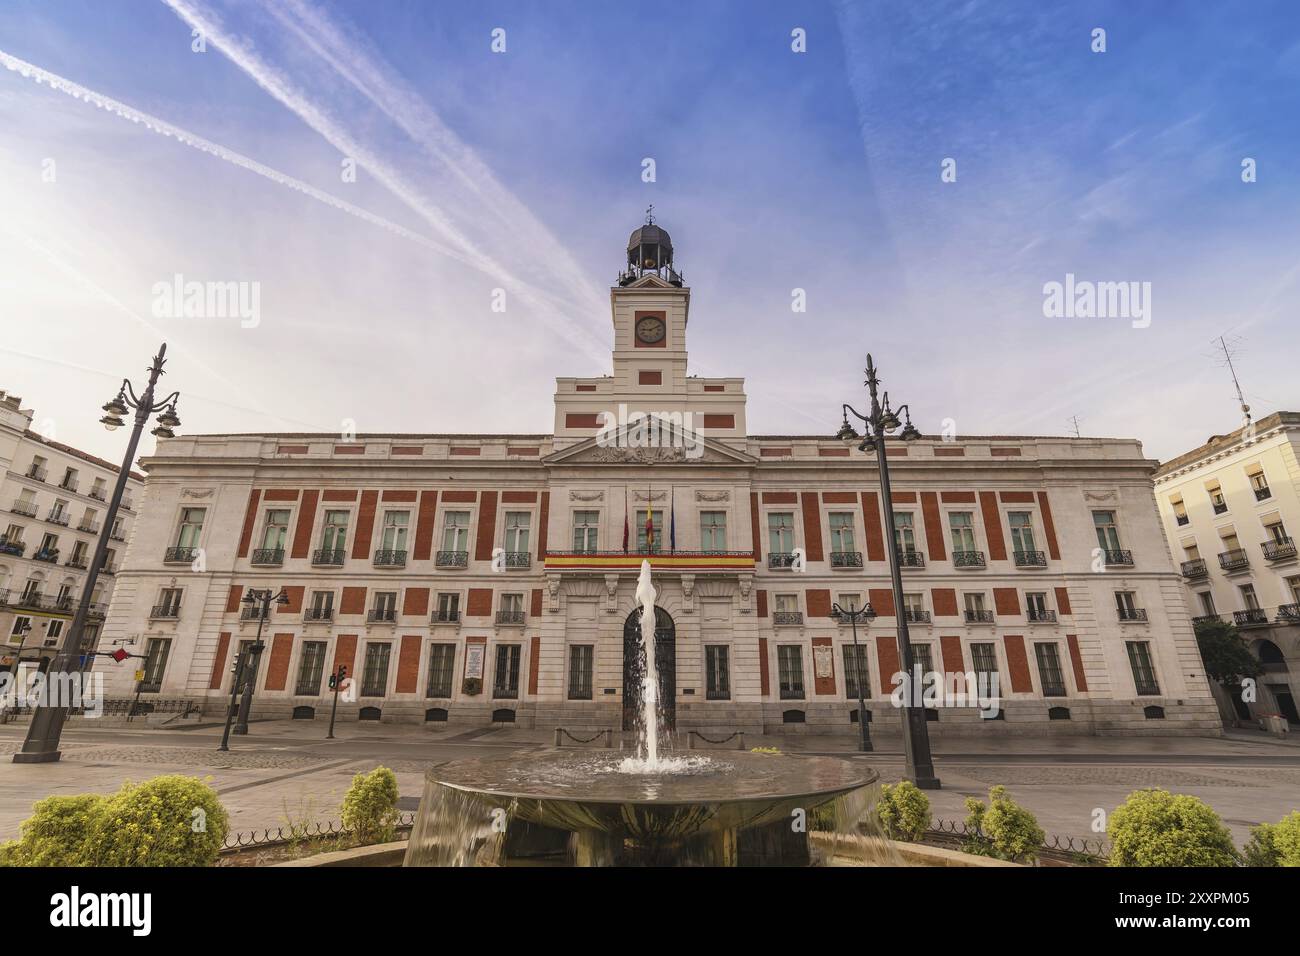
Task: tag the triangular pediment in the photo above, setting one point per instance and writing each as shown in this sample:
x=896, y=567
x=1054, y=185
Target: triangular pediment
x=650, y=281
x=623, y=448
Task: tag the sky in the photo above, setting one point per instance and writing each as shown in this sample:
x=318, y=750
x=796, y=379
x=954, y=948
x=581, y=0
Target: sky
x=385, y=175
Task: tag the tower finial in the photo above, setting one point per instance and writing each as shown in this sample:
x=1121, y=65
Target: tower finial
x=649, y=215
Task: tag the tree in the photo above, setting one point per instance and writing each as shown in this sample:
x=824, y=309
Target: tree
x=1225, y=655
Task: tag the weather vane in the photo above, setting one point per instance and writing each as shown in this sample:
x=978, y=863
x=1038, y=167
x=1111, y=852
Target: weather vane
x=649, y=214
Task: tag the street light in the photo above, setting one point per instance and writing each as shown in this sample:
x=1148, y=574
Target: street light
x=42, y=743
x=262, y=600
x=866, y=615
x=882, y=420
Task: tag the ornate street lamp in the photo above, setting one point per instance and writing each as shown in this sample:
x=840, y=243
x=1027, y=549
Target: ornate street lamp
x=42, y=743
x=879, y=423
x=866, y=615
x=262, y=600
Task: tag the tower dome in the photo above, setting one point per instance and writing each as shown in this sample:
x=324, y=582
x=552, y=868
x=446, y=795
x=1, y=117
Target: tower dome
x=650, y=249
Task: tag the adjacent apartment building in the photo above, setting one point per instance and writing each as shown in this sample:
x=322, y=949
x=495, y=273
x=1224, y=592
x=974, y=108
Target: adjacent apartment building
x=54, y=499
x=489, y=578
x=1230, y=507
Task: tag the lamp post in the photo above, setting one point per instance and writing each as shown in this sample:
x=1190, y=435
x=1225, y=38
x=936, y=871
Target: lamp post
x=42, y=743
x=866, y=615
x=881, y=421
x=262, y=600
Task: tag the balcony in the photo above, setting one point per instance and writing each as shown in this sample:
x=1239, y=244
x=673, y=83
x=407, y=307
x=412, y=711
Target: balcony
x=127, y=504
x=968, y=559
x=910, y=559
x=254, y=613
x=57, y=517
x=1182, y=520
x=846, y=559
x=390, y=559
x=1029, y=559
x=1279, y=550
x=76, y=562
x=36, y=474
x=980, y=616
x=786, y=618
x=48, y=555
x=381, y=615
x=1289, y=614
x=165, y=612
x=90, y=527
x=451, y=559
x=268, y=557
x=446, y=617
x=1118, y=558
x=1132, y=614
x=96, y=493
x=117, y=534
x=97, y=610
x=1195, y=568
x=518, y=560
x=1041, y=616
x=629, y=562
x=69, y=484
x=25, y=508
x=1220, y=507
x=15, y=548
x=780, y=560
x=318, y=614
x=1206, y=619
x=1235, y=560
x=1263, y=494
x=180, y=555
x=915, y=615
x=30, y=599
x=510, y=618
x=1251, y=617
x=328, y=557
x=109, y=568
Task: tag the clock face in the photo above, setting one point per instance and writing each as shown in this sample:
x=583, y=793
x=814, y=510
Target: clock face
x=650, y=328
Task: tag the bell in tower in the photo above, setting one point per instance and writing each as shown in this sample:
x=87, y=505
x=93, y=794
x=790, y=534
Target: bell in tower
x=650, y=250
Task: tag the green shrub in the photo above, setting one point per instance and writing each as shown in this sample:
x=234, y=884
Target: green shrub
x=57, y=832
x=903, y=811
x=1275, y=844
x=1002, y=829
x=370, y=806
x=1157, y=828
x=171, y=820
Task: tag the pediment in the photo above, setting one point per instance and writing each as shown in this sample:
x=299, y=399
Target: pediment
x=650, y=281
x=617, y=450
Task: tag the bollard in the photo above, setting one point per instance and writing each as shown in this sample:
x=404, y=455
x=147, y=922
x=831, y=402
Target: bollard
x=609, y=739
x=741, y=738
x=558, y=732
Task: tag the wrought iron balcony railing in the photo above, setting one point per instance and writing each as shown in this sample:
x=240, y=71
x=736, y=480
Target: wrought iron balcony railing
x=780, y=560
x=1030, y=559
x=163, y=612
x=1263, y=494
x=1205, y=618
x=318, y=614
x=90, y=527
x=1279, y=550
x=69, y=485
x=915, y=615
x=36, y=474
x=328, y=557
x=1234, y=560
x=787, y=617
x=846, y=559
x=25, y=508
x=1195, y=568
x=1181, y=519
x=518, y=560
x=1251, y=617
x=127, y=504
x=381, y=615
x=510, y=617
x=179, y=555
x=446, y=617
x=390, y=559
x=1220, y=507
x=109, y=568
x=97, y=494
x=1118, y=557
x=48, y=555
x=982, y=616
x=57, y=517
x=1132, y=613
x=15, y=548
x=968, y=559
x=253, y=613
x=117, y=535
x=451, y=559
x=76, y=562
x=267, y=557
x=1289, y=613
x=910, y=559
x=1041, y=616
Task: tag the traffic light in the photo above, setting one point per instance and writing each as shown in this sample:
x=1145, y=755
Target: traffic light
x=332, y=680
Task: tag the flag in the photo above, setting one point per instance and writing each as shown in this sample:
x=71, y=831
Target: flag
x=625, y=524
x=672, y=520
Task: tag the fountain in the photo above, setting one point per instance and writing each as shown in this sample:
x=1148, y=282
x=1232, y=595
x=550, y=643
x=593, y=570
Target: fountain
x=587, y=808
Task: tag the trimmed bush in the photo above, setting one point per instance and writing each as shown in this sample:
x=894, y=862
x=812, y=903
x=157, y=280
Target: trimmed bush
x=1274, y=844
x=1157, y=828
x=1003, y=829
x=370, y=806
x=172, y=820
x=56, y=833
x=903, y=811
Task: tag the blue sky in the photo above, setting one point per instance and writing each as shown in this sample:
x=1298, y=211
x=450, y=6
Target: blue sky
x=775, y=170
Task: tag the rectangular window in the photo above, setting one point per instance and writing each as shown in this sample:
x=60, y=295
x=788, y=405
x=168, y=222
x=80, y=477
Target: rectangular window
x=1022, y=531
x=276, y=530
x=22, y=627
x=517, y=527
x=396, y=524
x=1259, y=484
x=580, y=659
x=1207, y=604
x=512, y=603
x=169, y=602
x=786, y=603
x=1049, y=670
x=374, y=676
x=1125, y=604
x=962, y=526
x=1217, y=501
x=1036, y=605
x=448, y=607
x=1144, y=673
x=984, y=661
x=334, y=534
x=442, y=662
x=717, y=667
x=904, y=532
x=974, y=601
x=455, y=531
x=643, y=543
x=780, y=533
x=923, y=658
x=322, y=600
x=310, y=669
x=191, y=527
x=505, y=683
x=586, y=527
x=1107, y=530
x=713, y=531
x=842, y=538
x=1248, y=597
x=855, y=668
x=53, y=631
x=789, y=658
x=155, y=663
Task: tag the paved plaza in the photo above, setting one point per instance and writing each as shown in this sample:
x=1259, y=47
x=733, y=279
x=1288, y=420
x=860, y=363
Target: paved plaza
x=286, y=770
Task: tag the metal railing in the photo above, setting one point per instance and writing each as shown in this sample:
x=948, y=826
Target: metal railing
x=518, y=559
x=57, y=517
x=1234, y=560
x=268, y=556
x=165, y=612
x=968, y=559
x=253, y=613
x=1030, y=559
x=983, y=616
x=1251, y=617
x=1289, y=613
x=1279, y=550
x=1041, y=616
x=381, y=615
x=846, y=559
x=318, y=614
x=25, y=508
x=1263, y=494
x=251, y=839
x=15, y=548
x=328, y=557
x=1118, y=557
x=96, y=494
x=955, y=833
x=179, y=555
x=36, y=474
x=1132, y=613
x=446, y=617
x=451, y=559
x=787, y=617
x=1195, y=568
x=916, y=616
x=390, y=559
x=510, y=617
x=90, y=527
x=1206, y=619
x=910, y=559
x=780, y=560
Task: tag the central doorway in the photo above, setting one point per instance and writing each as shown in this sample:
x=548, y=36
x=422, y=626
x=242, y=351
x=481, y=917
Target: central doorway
x=634, y=668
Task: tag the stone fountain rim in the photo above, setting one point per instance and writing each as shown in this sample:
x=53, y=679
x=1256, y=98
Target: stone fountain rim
x=870, y=776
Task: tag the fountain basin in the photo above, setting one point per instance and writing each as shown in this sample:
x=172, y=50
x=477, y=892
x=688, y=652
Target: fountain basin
x=717, y=810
